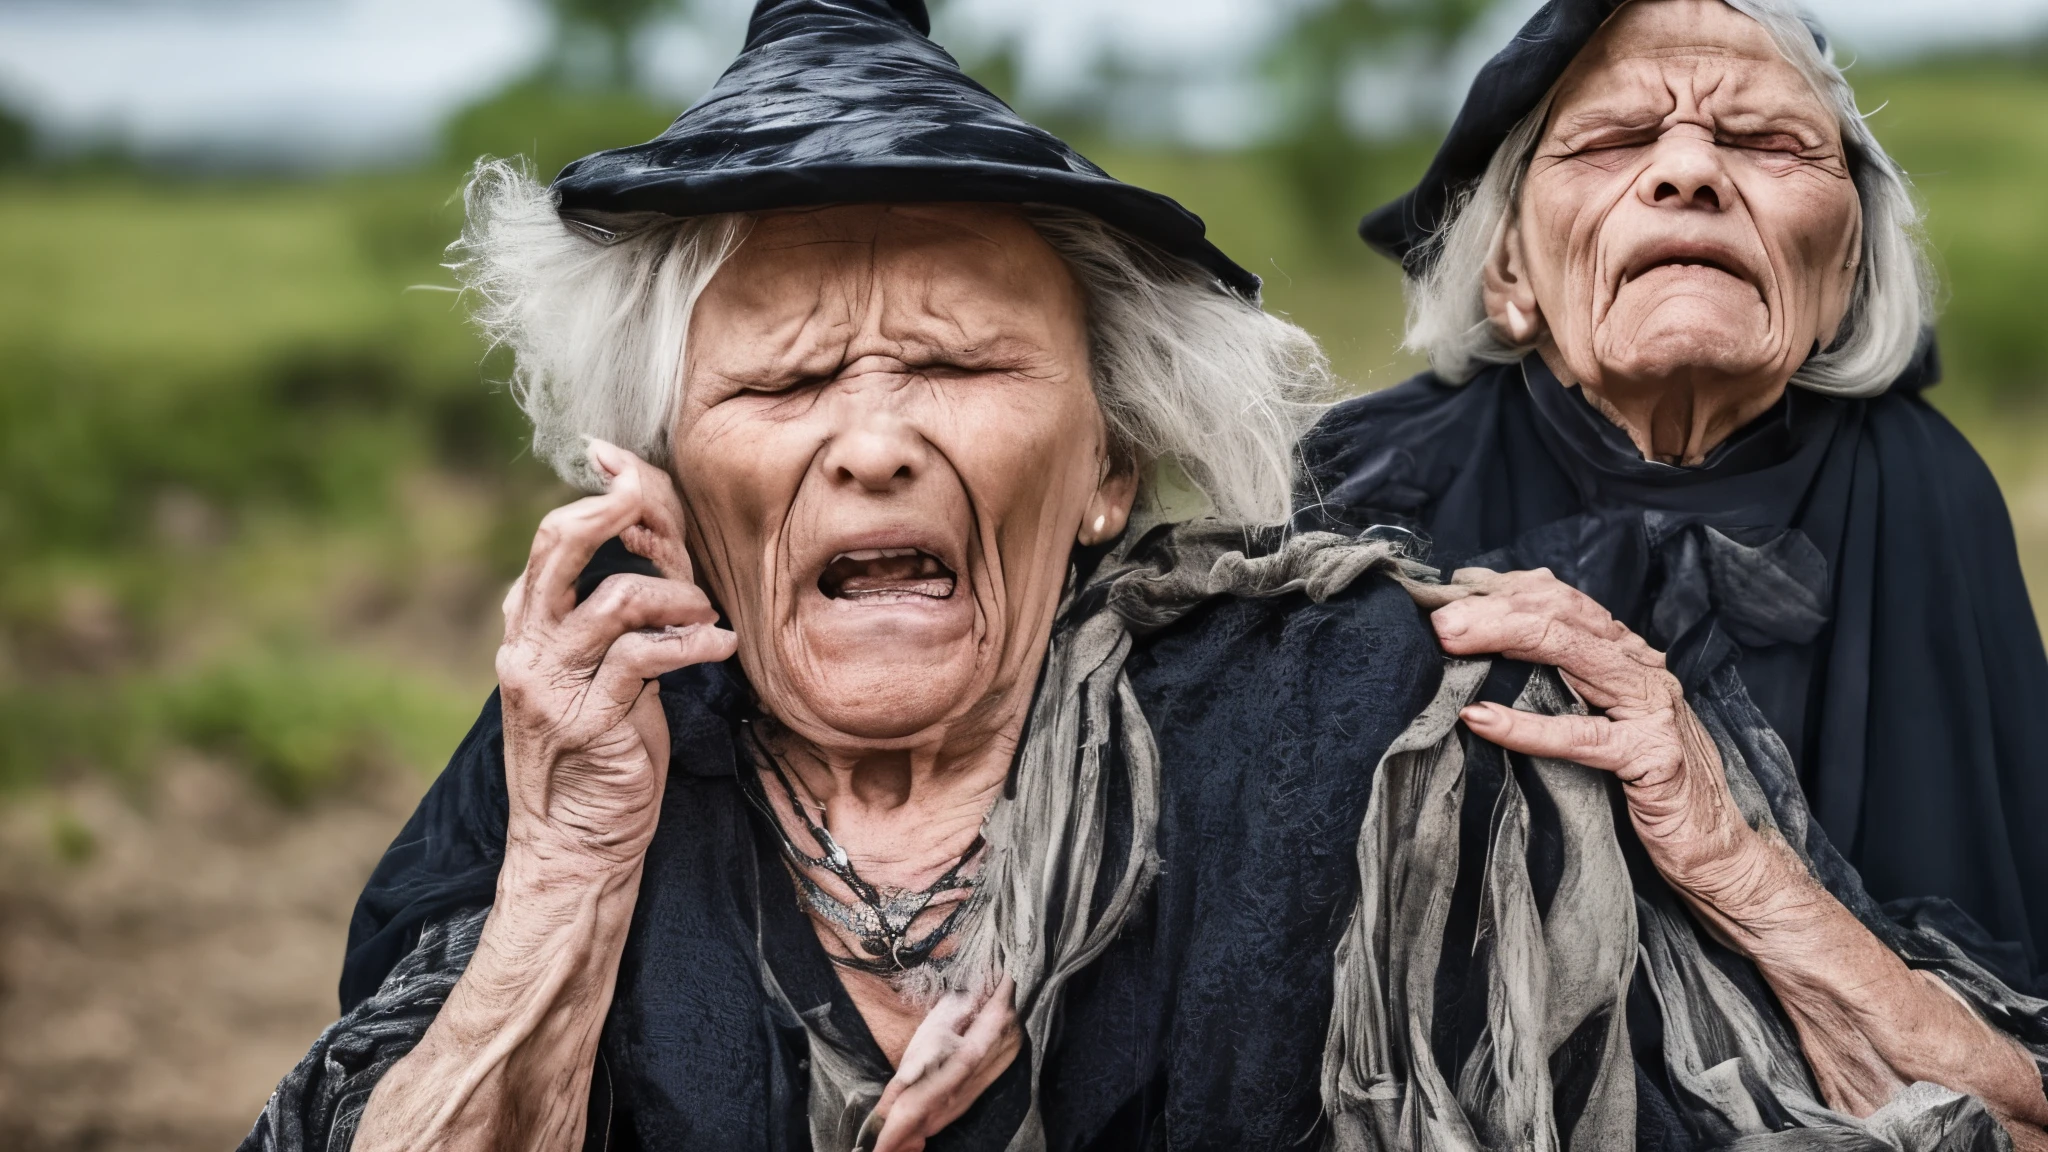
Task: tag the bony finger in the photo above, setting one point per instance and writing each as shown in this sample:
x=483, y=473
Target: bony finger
x=1431, y=597
x=903, y=1129
x=999, y=1012
x=627, y=600
x=1617, y=670
x=658, y=535
x=1587, y=740
x=565, y=542
x=1490, y=624
x=638, y=657
x=1480, y=578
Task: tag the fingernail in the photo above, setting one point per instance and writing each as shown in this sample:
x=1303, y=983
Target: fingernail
x=1475, y=714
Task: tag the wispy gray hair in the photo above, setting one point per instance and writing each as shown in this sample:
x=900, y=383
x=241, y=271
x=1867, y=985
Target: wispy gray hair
x=1892, y=299
x=598, y=323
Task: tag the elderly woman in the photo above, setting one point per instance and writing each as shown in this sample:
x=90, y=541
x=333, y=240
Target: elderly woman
x=1669, y=286
x=1006, y=813
x=990, y=834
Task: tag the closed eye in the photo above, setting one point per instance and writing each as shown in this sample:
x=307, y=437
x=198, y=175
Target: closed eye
x=781, y=386
x=1767, y=142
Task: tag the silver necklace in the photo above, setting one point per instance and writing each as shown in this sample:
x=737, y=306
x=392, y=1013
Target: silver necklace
x=879, y=919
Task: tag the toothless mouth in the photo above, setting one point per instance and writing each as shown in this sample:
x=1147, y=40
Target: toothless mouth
x=1706, y=257
x=886, y=573
x=1713, y=265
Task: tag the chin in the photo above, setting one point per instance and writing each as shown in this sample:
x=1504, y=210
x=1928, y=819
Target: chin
x=883, y=669
x=1686, y=334
x=882, y=699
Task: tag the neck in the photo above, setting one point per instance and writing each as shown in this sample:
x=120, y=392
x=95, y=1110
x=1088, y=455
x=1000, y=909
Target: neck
x=903, y=811
x=1676, y=419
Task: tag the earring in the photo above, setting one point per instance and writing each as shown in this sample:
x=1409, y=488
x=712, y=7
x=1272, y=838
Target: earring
x=1518, y=324
x=1099, y=522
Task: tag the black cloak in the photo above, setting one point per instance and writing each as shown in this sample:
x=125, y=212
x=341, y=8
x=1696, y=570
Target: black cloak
x=1862, y=558
x=1201, y=1026
x=1885, y=624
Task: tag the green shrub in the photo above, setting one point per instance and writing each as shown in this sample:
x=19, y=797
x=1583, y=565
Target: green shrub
x=304, y=723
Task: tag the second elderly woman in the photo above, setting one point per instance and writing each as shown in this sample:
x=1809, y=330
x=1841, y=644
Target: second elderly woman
x=1669, y=286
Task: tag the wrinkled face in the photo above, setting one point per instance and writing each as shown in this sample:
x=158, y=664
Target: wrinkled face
x=888, y=443
x=1689, y=207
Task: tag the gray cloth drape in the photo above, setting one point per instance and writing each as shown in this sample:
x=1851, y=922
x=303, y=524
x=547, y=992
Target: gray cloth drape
x=319, y=1103
x=1550, y=975
x=1047, y=838
x=1730, y=1054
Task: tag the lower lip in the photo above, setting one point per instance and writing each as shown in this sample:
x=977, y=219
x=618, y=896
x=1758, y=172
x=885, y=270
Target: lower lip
x=1683, y=268
x=903, y=605
x=892, y=595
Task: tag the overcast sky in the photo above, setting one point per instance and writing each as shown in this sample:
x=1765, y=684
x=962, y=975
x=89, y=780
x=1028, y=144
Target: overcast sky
x=363, y=79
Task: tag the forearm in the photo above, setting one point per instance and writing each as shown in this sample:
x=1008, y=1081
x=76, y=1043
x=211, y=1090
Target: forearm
x=1867, y=1023
x=507, y=1061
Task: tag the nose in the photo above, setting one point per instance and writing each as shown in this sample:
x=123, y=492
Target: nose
x=874, y=447
x=1686, y=173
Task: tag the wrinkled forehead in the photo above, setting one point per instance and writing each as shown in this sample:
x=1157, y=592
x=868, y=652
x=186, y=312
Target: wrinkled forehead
x=983, y=260
x=1658, y=52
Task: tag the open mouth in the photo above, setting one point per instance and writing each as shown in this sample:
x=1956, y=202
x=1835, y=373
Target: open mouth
x=886, y=574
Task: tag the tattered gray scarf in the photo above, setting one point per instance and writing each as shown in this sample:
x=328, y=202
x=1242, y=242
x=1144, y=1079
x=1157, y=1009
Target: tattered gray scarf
x=1733, y=1060
x=1553, y=978
x=1549, y=976
x=1047, y=836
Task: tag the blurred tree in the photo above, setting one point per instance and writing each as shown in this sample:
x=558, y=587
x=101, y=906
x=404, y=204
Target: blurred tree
x=17, y=139
x=1328, y=45
x=612, y=26
x=992, y=62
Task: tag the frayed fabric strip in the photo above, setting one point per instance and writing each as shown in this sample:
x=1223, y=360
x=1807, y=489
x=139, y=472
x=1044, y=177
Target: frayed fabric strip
x=1564, y=975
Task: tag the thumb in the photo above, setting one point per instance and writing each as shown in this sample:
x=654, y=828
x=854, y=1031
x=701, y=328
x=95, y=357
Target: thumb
x=651, y=723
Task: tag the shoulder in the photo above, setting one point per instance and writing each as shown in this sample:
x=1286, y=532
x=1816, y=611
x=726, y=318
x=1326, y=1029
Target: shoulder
x=1942, y=518
x=1913, y=438
x=1387, y=454
x=1383, y=416
x=1935, y=485
x=1371, y=631
x=1285, y=693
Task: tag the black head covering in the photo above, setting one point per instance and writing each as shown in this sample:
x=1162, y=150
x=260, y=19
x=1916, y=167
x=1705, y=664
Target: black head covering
x=1510, y=87
x=849, y=101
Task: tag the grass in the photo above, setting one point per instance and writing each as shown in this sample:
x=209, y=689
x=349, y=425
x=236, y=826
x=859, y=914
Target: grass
x=259, y=497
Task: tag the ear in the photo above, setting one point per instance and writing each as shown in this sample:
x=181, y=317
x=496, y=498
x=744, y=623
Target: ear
x=1109, y=509
x=1843, y=285
x=1510, y=300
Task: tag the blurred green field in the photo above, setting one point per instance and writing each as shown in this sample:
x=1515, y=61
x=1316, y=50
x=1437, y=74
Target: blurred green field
x=259, y=494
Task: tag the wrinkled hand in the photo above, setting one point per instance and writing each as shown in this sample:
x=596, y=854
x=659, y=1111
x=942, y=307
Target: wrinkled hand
x=586, y=744
x=1678, y=796
x=955, y=1054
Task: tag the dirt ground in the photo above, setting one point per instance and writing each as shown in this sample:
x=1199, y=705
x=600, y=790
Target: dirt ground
x=152, y=992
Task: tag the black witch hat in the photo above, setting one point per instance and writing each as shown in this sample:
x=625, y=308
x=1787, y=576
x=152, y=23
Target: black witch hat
x=1510, y=87
x=849, y=101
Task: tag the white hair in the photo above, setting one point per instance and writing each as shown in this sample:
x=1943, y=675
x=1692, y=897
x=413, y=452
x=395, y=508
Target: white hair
x=598, y=322
x=1892, y=299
